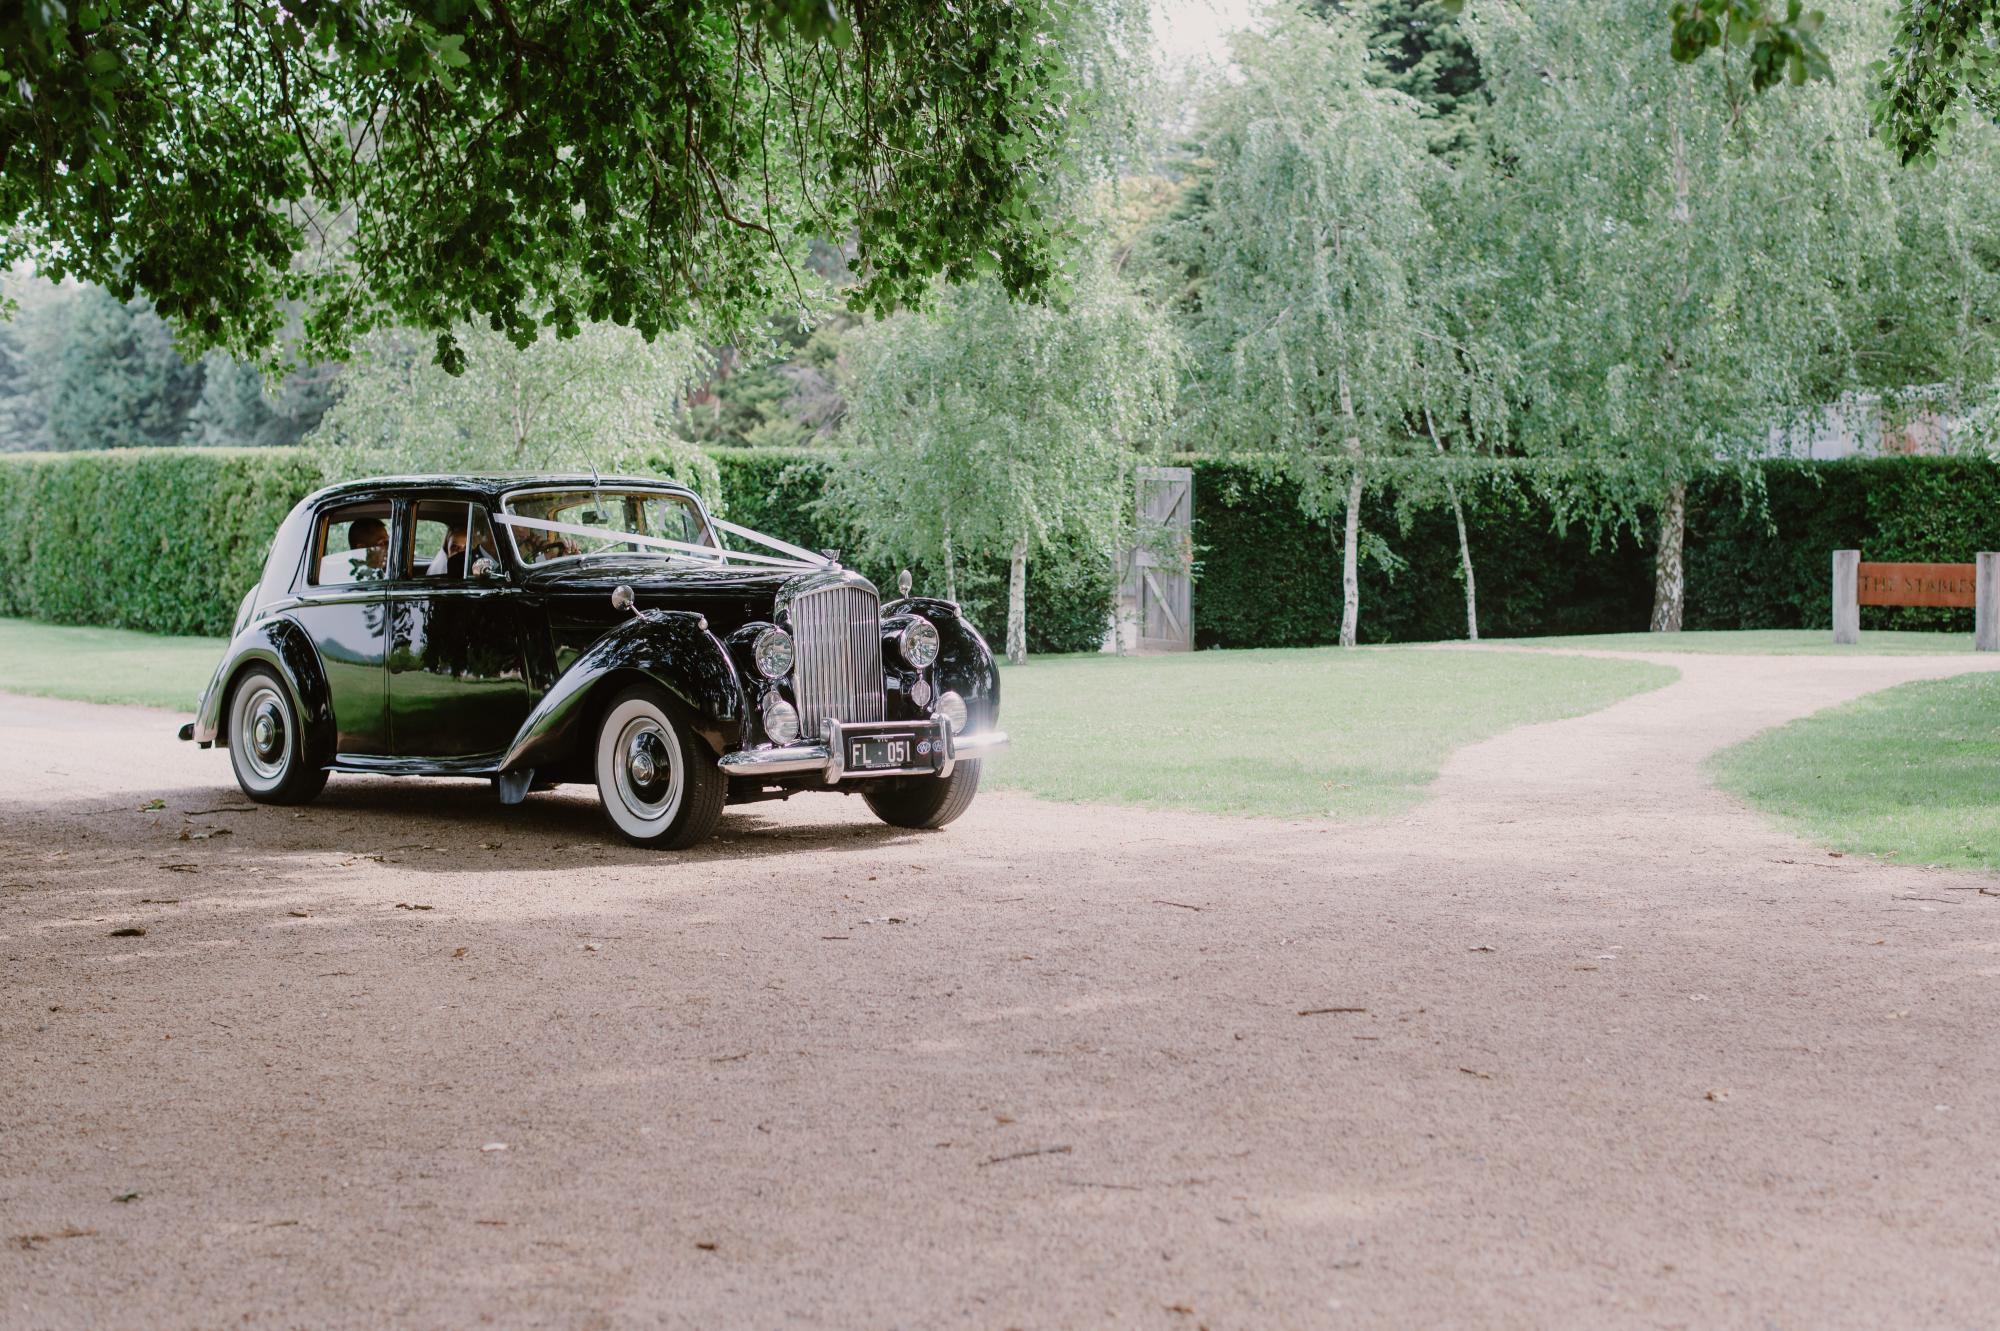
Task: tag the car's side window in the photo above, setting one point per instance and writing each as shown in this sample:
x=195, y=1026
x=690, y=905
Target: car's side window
x=439, y=537
x=449, y=538
x=350, y=545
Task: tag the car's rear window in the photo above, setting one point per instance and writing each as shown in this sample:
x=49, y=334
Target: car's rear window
x=350, y=545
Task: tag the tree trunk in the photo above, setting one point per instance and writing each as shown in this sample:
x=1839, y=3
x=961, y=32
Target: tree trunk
x=1464, y=546
x=1017, y=604
x=1350, y=546
x=950, y=568
x=1350, y=563
x=1465, y=562
x=1669, y=570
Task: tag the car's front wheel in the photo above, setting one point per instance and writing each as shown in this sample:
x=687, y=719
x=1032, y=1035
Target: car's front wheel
x=924, y=801
x=267, y=745
x=659, y=785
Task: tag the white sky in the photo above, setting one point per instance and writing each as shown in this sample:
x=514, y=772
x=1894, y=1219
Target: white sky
x=1190, y=32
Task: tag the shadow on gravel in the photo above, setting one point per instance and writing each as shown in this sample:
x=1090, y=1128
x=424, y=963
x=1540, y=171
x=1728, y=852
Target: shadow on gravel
x=431, y=826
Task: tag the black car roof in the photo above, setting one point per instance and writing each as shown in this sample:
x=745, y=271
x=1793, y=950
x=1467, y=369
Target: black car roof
x=489, y=486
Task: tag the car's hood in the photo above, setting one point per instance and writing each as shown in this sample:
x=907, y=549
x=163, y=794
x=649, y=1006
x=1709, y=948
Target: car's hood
x=729, y=596
x=656, y=579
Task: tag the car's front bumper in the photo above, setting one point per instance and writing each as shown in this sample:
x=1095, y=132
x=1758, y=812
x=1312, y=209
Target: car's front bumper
x=827, y=759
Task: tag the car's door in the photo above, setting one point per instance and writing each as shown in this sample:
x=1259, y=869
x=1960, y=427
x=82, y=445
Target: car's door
x=457, y=689
x=340, y=604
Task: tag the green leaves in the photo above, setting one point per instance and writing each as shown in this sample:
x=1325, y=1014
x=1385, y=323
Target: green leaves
x=667, y=166
x=1775, y=47
x=1942, y=58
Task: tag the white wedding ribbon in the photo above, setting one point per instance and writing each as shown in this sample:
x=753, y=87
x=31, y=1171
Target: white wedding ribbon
x=801, y=559
x=807, y=556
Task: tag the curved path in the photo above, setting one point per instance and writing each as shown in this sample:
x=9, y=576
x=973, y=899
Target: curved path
x=1626, y=1055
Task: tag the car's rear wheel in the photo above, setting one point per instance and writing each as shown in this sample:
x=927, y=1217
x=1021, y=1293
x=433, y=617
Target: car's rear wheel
x=267, y=745
x=924, y=801
x=659, y=785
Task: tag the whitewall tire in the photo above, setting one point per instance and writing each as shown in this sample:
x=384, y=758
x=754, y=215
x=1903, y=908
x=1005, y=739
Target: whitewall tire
x=267, y=743
x=659, y=784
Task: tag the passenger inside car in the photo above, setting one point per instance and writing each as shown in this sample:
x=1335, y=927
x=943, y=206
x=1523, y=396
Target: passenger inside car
x=364, y=559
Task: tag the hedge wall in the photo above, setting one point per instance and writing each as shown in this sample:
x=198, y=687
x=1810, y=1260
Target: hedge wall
x=1268, y=576
x=163, y=539
x=168, y=540
x=1742, y=574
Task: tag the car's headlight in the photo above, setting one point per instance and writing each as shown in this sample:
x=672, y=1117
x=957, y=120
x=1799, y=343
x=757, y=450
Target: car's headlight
x=952, y=708
x=773, y=653
x=781, y=720
x=918, y=643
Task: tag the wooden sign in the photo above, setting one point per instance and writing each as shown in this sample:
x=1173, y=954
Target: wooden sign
x=1918, y=584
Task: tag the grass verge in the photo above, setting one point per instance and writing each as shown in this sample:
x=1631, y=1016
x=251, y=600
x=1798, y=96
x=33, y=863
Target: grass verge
x=1908, y=774
x=105, y=665
x=1758, y=642
x=1295, y=733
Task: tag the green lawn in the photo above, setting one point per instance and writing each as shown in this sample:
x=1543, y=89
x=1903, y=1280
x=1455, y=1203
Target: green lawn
x=1758, y=642
x=1296, y=733
x=105, y=665
x=1910, y=774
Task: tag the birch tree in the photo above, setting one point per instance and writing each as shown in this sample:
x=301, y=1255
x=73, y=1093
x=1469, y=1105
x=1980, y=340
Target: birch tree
x=1673, y=267
x=980, y=427
x=1311, y=311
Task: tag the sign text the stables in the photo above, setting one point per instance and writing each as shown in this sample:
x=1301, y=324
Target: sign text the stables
x=1917, y=584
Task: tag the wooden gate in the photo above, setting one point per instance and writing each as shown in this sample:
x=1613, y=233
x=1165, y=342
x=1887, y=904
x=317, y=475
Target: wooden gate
x=1157, y=598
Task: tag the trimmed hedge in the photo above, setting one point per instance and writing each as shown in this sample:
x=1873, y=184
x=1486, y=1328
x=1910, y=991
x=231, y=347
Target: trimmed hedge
x=1268, y=576
x=167, y=540
x=161, y=539
x=1742, y=574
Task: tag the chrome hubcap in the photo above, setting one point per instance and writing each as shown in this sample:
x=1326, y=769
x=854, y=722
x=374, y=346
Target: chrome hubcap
x=261, y=735
x=649, y=770
x=640, y=763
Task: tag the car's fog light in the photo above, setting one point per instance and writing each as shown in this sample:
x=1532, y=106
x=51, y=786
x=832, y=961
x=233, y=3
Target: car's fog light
x=952, y=708
x=781, y=720
x=773, y=653
x=920, y=693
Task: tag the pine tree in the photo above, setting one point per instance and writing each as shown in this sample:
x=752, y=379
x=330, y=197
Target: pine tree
x=121, y=382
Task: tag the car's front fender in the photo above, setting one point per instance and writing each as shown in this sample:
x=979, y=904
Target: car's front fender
x=283, y=644
x=671, y=648
x=965, y=664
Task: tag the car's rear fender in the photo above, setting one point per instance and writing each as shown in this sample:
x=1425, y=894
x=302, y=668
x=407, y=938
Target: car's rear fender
x=670, y=648
x=282, y=644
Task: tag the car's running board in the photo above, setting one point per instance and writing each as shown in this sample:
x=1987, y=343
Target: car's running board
x=485, y=764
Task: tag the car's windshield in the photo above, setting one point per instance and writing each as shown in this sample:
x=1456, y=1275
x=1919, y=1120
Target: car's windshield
x=572, y=523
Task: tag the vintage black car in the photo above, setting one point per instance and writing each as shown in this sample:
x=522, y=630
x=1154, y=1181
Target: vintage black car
x=534, y=631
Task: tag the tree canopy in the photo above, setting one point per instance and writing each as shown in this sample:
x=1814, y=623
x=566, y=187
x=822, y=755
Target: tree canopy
x=529, y=164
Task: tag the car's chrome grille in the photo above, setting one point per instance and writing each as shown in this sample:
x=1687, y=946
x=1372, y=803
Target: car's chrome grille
x=837, y=633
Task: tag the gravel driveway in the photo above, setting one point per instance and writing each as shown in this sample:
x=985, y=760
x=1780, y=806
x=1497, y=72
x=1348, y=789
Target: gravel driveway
x=1579, y=1042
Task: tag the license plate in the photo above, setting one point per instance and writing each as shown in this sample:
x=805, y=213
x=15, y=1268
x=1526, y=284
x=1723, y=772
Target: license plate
x=877, y=753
